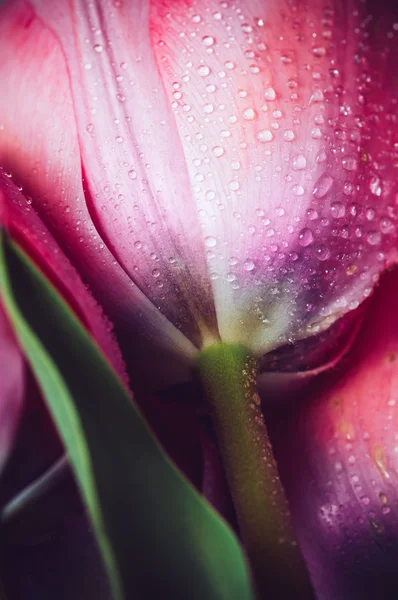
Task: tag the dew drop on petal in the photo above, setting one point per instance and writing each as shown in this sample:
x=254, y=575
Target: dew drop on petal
x=249, y=114
x=338, y=210
x=322, y=253
x=319, y=51
x=265, y=135
x=288, y=135
x=298, y=190
x=305, y=237
x=323, y=185
x=374, y=238
x=208, y=41
x=349, y=163
x=316, y=133
x=218, y=151
x=249, y=265
x=270, y=94
x=203, y=70
x=299, y=162
x=210, y=241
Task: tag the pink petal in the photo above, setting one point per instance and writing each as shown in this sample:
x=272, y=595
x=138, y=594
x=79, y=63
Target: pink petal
x=27, y=229
x=138, y=189
x=12, y=387
x=338, y=457
x=280, y=108
x=39, y=145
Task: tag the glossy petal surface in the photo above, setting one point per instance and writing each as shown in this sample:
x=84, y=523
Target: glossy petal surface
x=343, y=480
x=24, y=225
x=276, y=105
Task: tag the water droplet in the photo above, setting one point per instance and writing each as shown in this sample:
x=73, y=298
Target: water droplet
x=322, y=253
x=208, y=108
x=203, y=70
x=298, y=190
x=265, y=135
x=98, y=48
x=337, y=210
x=288, y=135
x=132, y=174
x=208, y=41
x=218, y=151
x=349, y=163
x=138, y=245
x=249, y=114
x=246, y=28
x=90, y=127
x=249, y=265
x=312, y=214
x=319, y=51
x=316, y=96
x=210, y=241
x=270, y=94
x=316, y=133
x=234, y=185
x=323, y=185
x=299, y=162
x=156, y=273
x=305, y=237
x=119, y=139
x=383, y=498
x=374, y=185
x=386, y=225
x=374, y=238
x=229, y=64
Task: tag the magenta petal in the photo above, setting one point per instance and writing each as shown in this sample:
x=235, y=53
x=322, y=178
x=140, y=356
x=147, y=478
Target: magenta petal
x=281, y=108
x=338, y=457
x=23, y=224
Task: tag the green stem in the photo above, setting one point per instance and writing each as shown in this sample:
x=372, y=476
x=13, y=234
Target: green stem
x=228, y=375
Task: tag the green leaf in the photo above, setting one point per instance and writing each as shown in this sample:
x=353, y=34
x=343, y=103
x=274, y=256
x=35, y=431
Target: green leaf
x=158, y=537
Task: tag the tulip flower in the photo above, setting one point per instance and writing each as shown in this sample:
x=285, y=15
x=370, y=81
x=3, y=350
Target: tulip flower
x=222, y=176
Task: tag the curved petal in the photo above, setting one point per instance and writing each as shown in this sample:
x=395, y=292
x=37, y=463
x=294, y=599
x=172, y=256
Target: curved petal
x=27, y=229
x=39, y=146
x=276, y=104
x=342, y=483
x=12, y=387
